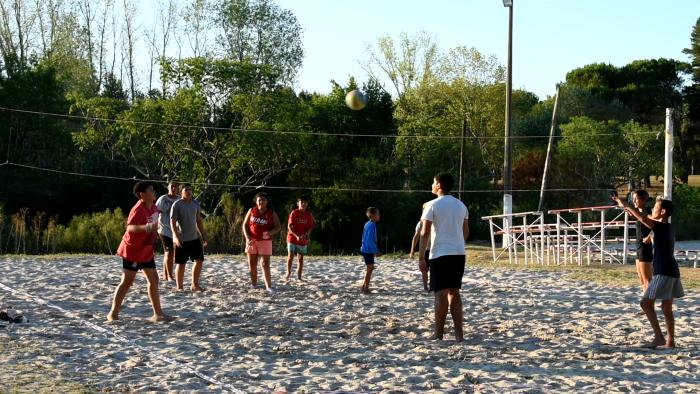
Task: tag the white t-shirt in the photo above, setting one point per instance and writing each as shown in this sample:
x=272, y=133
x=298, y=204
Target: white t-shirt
x=165, y=203
x=447, y=215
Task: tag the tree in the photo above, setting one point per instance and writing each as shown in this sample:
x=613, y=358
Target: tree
x=690, y=127
x=405, y=66
x=261, y=33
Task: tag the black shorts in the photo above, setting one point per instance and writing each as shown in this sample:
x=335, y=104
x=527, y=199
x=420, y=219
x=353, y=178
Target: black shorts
x=167, y=243
x=190, y=250
x=427, y=257
x=446, y=272
x=645, y=253
x=131, y=266
x=369, y=258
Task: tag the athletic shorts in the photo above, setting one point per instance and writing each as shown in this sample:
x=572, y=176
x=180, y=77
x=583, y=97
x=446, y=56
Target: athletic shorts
x=261, y=247
x=131, y=266
x=299, y=249
x=190, y=250
x=645, y=253
x=427, y=257
x=167, y=243
x=664, y=287
x=446, y=272
x=368, y=257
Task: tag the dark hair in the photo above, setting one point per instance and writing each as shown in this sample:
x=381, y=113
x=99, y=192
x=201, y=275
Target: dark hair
x=446, y=181
x=371, y=211
x=174, y=182
x=304, y=197
x=641, y=193
x=265, y=196
x=140, y=187
x=184, y=186
x=666, y=205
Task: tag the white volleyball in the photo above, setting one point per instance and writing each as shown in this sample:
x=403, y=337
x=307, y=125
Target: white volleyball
x=355, y=100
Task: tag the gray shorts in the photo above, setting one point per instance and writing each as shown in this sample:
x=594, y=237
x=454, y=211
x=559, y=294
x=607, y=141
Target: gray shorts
x=664, y=287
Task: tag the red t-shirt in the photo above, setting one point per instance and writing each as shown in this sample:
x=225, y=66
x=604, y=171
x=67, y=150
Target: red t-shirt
x=139, y=247
x=259, y=223
x=301, y=222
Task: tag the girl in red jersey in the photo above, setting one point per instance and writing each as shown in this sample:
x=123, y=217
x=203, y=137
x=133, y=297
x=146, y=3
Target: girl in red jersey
x=259, y=225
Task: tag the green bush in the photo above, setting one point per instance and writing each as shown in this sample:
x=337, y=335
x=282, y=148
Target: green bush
x=686, y=203
x=93, y=233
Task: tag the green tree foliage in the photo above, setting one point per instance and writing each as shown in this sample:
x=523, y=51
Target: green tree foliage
x=691, y=109
x=259, y=32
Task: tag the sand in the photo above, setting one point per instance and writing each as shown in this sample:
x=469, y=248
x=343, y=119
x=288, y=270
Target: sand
x=525, y=331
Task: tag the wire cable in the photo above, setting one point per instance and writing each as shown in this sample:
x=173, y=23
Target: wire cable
x=327, y=188
x=298, y=132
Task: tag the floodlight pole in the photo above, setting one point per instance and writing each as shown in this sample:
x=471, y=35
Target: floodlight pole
x=508, y=149
x=668, y=161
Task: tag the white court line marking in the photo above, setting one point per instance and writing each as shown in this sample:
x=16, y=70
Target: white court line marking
x=128, y=341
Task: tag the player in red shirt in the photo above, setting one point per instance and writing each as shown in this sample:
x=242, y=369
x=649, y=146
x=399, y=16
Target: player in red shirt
x=299, y=226
x=260, y=224
x=137, y=251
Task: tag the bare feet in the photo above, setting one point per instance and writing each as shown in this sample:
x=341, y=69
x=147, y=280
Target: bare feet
x=179, y=289
x=654, y=344
x=198, y=289
x=112, y=316
x=160, y=318
x=435, y=337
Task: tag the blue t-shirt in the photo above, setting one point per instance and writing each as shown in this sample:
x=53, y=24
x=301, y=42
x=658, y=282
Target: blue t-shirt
x=369, y=238
x=664, y=244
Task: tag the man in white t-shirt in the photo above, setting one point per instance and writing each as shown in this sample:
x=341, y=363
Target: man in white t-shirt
x=164, y=204
x=445, y=224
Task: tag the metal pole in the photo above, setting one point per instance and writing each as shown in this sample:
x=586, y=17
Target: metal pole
x=508, y=149
x=668, y=161
x=548, y=159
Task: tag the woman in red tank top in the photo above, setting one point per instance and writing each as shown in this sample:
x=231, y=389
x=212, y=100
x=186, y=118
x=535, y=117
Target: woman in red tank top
x=259, y=225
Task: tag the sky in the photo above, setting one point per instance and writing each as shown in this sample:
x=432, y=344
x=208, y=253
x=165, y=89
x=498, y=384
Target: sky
x=550, y=37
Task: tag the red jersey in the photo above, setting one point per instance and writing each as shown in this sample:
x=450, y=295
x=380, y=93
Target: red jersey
x=139, y=247
x=300, y=222
x=260, y=222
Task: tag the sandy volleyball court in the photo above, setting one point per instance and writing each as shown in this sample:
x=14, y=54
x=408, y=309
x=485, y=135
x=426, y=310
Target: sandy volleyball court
x=525, y=331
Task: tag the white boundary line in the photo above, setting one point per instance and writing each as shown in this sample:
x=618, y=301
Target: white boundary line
x=127, y=341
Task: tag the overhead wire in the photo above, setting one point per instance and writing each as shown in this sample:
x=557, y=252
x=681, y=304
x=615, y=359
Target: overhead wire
x=314, y=188
x=295, y=132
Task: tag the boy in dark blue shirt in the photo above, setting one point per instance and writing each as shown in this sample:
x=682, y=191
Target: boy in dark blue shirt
x=666, y=281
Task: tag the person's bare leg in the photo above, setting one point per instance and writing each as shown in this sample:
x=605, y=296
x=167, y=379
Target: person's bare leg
x=266, y=272
x=180, y=276
x=300, y=265
x=441, y=307
x=454, y=299
x=196, y=275
x=424, y=275
x=639, y=268
x=165, y=265
x=253, y=269
x=169, y=265
x=368, y=276
x=290, y=258
x=120, y=293
x=647, y=271
x=667, y=308
x=648, y=307
x=154, y=296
